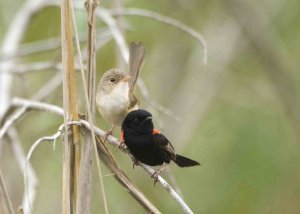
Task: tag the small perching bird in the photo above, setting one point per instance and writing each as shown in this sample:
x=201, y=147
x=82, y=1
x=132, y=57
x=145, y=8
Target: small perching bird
x=115, y=92
x=147, y=144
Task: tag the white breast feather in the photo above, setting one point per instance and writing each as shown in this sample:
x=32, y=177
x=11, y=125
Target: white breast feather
x=112, y=105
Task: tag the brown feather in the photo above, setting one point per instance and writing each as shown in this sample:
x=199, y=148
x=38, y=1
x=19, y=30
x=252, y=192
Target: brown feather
x=137, y=53
x=165, y=144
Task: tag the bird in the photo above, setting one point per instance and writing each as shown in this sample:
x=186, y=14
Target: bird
x=115, y=91
x=148, y=145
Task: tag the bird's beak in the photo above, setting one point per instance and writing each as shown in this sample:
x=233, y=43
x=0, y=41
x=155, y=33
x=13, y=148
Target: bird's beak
x=148, y=118
x=126, y=78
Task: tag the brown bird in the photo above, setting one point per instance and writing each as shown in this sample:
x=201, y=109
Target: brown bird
x=115, y=92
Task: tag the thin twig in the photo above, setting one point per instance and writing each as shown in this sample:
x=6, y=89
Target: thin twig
x=105, y=16
x=164, y=19
x=48, y=45
x=38, y=67
x=114, y=141
x=53, y=137
x=29, y=154
x=120, y=63
x=30, y=179
x=10, y=46
x=43, y=92
x=5, y=202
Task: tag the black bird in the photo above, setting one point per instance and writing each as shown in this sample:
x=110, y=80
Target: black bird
x=147, y=144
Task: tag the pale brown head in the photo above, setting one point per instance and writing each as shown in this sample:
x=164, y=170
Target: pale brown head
x=111, y=79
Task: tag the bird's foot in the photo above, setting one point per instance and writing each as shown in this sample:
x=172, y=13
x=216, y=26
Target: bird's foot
x=157, y=173
x=108, y=133
x=135, y=163
x=120, y=143
x=155, y=176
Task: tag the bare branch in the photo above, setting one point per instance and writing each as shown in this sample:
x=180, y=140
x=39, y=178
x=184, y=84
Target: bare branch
x=10, y=46
x=44, y=91
x=53, y=137
x=30, y=179
x=164, y=19
x=120, y=23
x=5, y=202
x=104, y=15
x=51, y=44
x=38, y=67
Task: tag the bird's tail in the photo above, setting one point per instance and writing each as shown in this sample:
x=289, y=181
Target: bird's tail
x=184, y=162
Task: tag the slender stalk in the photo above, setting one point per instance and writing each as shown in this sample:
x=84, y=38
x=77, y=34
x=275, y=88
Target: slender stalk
x=71, y=160
x=5, y=202
x=89, y=85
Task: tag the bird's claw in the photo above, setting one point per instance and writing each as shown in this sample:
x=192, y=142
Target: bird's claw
x=120, y=143
x=135, y=163
x=155, y=177
x=108, y=133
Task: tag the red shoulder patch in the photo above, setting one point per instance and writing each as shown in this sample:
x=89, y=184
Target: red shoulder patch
x=122, y=136
x=156, y=131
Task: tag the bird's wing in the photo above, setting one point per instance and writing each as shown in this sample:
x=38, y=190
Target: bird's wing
x=162, y=142
x=137, y=53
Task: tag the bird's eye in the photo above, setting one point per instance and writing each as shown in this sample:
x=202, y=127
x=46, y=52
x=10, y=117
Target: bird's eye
x=135, y=121
x=111, y=80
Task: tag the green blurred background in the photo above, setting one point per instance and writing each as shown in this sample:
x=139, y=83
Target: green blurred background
x=238, y=116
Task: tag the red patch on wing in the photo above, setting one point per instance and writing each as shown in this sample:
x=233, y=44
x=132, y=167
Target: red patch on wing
x=122, y=136
x=156, y=131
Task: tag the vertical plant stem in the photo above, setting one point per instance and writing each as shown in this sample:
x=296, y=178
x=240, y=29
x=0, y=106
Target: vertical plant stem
x=5, y=203
x=89, y=94
x=71, y=160
x=91, y=78
x=118, y=5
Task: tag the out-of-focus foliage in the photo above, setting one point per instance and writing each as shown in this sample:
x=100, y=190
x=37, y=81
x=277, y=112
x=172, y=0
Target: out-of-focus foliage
x=234, y=118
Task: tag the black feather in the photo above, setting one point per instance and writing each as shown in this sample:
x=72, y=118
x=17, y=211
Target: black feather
x=146, y=146
x=185, y=162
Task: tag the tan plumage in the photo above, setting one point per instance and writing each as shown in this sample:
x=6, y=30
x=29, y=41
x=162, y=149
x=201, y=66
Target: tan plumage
x=136, y=58
x=115, y=93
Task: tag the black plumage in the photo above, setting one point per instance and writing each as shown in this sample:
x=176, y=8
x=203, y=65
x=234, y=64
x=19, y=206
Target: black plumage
x=146, y=144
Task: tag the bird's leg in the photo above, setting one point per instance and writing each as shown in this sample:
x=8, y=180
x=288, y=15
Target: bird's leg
x=108, y=132
x=157, y=173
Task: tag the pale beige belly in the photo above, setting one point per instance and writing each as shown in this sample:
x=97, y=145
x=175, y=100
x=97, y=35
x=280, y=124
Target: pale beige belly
x=113, y=106
x=114, y=110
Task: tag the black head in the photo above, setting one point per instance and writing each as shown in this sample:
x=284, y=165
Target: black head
x=139, y=121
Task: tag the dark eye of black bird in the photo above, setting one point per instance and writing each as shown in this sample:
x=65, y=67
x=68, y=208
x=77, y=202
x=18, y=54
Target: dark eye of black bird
x=135, y=121
x=112, y=79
